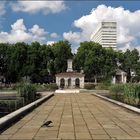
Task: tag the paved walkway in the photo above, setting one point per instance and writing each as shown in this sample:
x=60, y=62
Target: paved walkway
x=77, y=116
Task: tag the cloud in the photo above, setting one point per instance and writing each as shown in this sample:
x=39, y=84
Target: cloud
x=54, y=35
x=33, y=7
x=20, y=33
x=50, y=42
x=128, y=27
x=38, y=33
x=18, y=25
x=72, y=36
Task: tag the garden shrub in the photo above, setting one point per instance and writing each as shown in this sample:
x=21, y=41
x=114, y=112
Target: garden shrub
x=117, y=88
x=128, y=93
x=46, y=87
x=51, y=87
x=28, y=91
x=117, y=91
x=103, y=86
x=89, y=86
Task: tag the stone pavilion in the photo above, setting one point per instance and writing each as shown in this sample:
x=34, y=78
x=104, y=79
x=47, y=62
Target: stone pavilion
x=119, y=77
x=70, y=79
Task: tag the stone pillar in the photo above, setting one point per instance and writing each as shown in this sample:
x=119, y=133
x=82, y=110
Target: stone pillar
x=66, y=82
x=81, y=82
x=58, y=81
x=122, y=78
x=125, y=79
x=73, y=82
x=113, y=80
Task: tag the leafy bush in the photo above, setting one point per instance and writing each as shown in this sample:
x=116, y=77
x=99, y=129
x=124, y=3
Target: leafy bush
x=132, y=94
x=46, y=87
x=128, y=93
x=40, y=87
x=51, y=87
x=117, y=88
x=28, y=91
x=104, y=85
x=117, y=91
x=89, y=86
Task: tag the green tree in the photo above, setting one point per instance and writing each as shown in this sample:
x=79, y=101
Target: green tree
x=4, y=59
x=130, y=62
x=62, y=52
x=97, y=62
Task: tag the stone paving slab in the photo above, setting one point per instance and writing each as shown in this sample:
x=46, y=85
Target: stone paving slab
x=76, y=116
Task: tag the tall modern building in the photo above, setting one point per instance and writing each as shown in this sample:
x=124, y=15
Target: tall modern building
x=106, y=34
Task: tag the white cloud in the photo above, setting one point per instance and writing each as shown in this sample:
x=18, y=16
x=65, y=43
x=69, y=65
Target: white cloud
x=128, y=24
x=138, y=48
x=39, y=6
x=20, y=33
x=54, y=35
x=18, y=25
x=130, y=46
x=72, y=36
x=50, y=42
x=38, y=33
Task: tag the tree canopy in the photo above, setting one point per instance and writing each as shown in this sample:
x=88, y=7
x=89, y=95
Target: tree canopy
x=41, y=62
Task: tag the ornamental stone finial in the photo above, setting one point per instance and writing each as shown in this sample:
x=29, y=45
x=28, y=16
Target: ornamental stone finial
x=69, y=65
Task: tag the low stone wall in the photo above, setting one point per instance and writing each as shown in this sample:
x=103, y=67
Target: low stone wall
x=134, y=109
x=14, y=116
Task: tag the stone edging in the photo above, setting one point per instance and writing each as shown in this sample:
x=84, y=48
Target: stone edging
x=134, y=109
x=10, y=118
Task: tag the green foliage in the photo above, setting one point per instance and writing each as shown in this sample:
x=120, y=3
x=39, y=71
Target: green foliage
x=41, y=62
x=89, y=86
x=130, y=93
x=62, y=52
x=104, y=85
x=38, y=62
x=117, y=91
x=51, y=87
x=28, y=91
x=46, y=87
x=117, y=88
x=95, y=61
x=7, y=106
x=129, y=62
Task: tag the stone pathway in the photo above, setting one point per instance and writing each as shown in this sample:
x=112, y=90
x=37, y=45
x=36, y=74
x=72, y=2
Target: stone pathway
x=77, y=116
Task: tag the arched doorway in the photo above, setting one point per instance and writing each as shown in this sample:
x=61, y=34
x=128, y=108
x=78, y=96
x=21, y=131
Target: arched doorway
x=69, y=82
x=77, y=83
x=62, y=83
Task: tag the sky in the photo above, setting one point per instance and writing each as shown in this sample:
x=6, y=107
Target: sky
x=50, y=21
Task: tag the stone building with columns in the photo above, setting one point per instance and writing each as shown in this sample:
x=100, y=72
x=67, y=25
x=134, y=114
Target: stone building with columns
x=70, y=79
x=120, y=77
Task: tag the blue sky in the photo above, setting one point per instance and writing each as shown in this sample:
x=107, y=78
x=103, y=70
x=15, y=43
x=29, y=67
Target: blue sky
x=51, y=21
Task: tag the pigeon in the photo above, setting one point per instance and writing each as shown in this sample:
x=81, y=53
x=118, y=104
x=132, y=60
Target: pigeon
x=47, y=123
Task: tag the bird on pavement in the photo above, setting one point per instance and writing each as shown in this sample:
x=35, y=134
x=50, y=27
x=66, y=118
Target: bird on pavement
x=47, y=123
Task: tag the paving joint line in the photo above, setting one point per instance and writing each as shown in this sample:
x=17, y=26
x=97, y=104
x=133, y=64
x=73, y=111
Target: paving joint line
x=117, y=117
x=61, y=118
x=84, y=119
x=73, y=118
x=45, y=119
x=99, y=122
